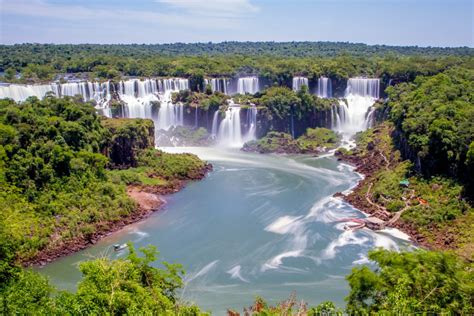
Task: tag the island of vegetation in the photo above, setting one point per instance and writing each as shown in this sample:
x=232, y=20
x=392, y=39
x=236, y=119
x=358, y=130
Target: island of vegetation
x=314, y=141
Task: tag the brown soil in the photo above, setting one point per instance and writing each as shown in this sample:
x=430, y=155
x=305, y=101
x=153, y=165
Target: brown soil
x=148, y=201
x=368, y=165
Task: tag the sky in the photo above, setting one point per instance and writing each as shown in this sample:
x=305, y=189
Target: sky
x=391, y=22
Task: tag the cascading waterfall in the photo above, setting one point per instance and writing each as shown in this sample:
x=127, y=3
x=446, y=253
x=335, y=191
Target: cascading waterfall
x=366, y=87
x=299, y=82
x=22, y=92
x=215, y=123
x=251, y=124
x=354, y=116
x=137, y=101
x=218, y=84
x=230, y=134
x=324, y=89
x=229, y=131
x=170, y=114
x=248, y=85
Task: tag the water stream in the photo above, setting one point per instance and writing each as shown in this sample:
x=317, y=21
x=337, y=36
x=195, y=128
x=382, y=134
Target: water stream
x=257, y=225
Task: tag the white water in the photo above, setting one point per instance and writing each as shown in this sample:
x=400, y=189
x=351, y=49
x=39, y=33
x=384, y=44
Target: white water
x=324, y=88
x=230, y=134
x=354, y=116
x=299, y=82
x=90, y=91
x=215, y=123
x=248, y=85
x=137, y=95
x=251, y=124
x=218, y=84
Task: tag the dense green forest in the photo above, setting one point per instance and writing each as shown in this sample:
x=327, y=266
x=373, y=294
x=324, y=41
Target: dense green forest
x=59, y=176
x=276, y=62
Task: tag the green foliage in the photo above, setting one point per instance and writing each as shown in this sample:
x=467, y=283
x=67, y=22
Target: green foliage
x=27, y=293
x=318, y=137
x=171, y=166
x=434, y=118
x=10, y=74
x=313, y=141
x=203, y=101
x=126, y=138
x=37, y=72
x=276, y=62
x=53, y=178
x=129, y=286
x=186, y=136
x=411, y=282
x=280, y=101
x=273, y=142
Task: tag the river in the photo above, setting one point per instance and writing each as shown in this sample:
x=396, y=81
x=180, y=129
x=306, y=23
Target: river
x=262, y=225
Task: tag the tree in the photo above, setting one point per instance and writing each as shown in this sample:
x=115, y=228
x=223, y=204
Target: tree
x=411, y=282
x=10, y=73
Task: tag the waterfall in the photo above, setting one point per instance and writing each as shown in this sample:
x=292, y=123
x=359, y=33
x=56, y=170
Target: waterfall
x=324, y=89
x=89, y=91
x=248, y=85
x=299, y=82
x=251, y=124
x=139, y=97
x=215, y=122
x=230, y=134
x=22, y=92
x=365, y=87
x=218, y=84
x=354, y=116
x=133, y=93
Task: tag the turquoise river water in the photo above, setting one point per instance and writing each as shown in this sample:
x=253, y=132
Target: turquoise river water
x=257, y=225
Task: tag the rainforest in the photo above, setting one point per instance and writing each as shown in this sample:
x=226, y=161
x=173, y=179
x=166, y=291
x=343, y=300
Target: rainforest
x=238, y=178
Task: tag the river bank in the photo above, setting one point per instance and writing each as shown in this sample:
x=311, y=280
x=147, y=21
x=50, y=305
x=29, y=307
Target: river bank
x=148, y=199
x=403, y=200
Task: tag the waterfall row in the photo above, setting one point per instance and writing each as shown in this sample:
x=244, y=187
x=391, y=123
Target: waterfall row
x=90, y=91
x=299, y=82
x=139, y=97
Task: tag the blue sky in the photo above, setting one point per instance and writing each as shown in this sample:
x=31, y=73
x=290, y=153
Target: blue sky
x=393, y=22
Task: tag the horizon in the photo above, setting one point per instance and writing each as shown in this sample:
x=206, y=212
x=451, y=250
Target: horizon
x=239, y=42
x=434, y=23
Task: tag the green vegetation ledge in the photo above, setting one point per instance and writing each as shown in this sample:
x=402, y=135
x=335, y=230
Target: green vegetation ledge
x=69, y=177
x=314, y=141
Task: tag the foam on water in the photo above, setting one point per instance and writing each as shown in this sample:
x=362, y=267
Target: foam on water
x=205, y=270
x=235, y=274
x=347, y=237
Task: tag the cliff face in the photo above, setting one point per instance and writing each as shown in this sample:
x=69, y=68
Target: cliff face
x=265, y=121
x=127, y=137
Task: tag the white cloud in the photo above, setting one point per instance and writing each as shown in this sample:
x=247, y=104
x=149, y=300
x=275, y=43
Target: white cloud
x=219, y=8
x=187, y=18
